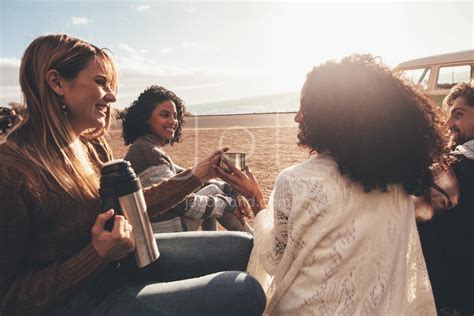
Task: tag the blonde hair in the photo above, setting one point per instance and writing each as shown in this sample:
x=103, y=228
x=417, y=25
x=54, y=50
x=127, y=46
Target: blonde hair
x=45, y=136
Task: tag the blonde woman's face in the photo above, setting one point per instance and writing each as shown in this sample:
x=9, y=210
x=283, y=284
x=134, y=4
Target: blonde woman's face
x=88, y=97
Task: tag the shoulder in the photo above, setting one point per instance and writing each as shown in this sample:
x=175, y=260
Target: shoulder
x=99, y=148
x=143, y=154
x=15, y=171
x=319, y=167
x=463, y=164
x=319, y=175
x=10, y=159
x=145, y=149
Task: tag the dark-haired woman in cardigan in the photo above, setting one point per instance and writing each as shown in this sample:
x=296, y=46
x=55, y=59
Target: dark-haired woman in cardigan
x=153, y=121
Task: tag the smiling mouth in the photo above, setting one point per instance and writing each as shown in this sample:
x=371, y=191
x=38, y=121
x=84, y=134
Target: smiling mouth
x=102, y=108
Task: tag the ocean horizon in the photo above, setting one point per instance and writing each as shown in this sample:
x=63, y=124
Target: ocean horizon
x=274, y=103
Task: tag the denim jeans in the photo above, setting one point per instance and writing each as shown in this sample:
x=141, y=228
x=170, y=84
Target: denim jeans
x=198, y=273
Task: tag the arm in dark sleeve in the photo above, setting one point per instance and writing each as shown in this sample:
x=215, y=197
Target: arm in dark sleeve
x=442, y=196
x=164, y=190
x=168, y=193
x=25, y=289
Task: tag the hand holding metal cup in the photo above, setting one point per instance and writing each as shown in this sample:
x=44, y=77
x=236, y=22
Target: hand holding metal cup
x=243, y=182
x=237, y=159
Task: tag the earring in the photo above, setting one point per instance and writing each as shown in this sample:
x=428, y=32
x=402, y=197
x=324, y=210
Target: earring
x=64, y=108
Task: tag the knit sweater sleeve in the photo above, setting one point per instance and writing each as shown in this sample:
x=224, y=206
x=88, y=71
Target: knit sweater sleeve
x=168, y=193
x=26, y=289
x=165, y=190
x=210, y=201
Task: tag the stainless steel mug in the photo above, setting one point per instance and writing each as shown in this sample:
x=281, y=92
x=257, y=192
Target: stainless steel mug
x=121, y=190
x=238, y=159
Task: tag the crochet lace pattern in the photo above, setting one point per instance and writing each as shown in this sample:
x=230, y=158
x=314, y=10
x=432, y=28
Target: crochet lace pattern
x=325, y=247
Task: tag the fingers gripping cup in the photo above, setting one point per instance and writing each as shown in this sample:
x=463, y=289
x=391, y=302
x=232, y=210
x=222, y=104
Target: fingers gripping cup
x=237, y=159
x=121, y=190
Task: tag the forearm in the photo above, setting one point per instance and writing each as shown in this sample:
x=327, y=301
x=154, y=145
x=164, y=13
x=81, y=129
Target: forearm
x=168, y=193
x=35, y=289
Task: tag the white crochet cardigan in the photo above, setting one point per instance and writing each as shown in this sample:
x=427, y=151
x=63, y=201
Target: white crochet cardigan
x=325, y=247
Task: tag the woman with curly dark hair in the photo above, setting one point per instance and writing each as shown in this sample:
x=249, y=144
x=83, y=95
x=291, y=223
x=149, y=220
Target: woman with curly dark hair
x=138, y=118
x=339, y=234
x=154, y=120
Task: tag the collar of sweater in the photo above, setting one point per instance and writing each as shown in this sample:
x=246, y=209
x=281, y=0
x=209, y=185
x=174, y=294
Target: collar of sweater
x=466, y=149
x=151, y=139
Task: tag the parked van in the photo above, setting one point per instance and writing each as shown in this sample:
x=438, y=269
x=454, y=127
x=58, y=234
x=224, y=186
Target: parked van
x=436, y=75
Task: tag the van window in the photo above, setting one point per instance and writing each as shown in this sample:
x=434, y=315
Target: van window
x=420, y=77
x=450, y=76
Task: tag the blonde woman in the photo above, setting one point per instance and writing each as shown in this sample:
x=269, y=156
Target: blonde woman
x=57, y=258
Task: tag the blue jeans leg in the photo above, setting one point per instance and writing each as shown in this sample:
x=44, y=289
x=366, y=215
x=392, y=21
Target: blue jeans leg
x=196, y=274
x=222, y=293
x=194, y=254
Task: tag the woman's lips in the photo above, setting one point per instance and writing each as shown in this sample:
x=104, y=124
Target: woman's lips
x=102, y=109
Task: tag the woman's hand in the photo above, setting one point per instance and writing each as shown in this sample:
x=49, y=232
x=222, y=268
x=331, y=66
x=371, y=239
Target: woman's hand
x=116, y=244
x=243, y=183
x=243, y=208
x=204, y=170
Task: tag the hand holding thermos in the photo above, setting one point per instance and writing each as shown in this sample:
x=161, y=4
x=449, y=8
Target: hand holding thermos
x=116, y=244
x=124, y=208
x=121, y=191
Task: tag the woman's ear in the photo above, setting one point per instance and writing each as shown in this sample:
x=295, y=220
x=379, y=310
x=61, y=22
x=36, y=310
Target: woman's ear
x=54, y=81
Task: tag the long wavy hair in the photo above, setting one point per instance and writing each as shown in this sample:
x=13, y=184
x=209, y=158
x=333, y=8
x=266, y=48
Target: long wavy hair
x=379, y=128
x=136, y=121
x=45, y=136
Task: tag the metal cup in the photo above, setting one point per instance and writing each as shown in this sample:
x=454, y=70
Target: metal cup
x=238, y=159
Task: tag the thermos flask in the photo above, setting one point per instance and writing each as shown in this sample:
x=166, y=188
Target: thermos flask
x=121, y=190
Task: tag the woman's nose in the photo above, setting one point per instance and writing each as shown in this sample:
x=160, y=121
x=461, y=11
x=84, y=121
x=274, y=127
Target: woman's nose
x=173, y=121
x=110, y=97
x=297, y=117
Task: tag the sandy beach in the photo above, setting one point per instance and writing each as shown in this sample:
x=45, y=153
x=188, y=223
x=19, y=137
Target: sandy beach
x=269, y=140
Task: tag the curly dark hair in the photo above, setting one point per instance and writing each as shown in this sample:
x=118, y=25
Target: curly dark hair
x=136, y=117
x=379, y=128
x=462, y=89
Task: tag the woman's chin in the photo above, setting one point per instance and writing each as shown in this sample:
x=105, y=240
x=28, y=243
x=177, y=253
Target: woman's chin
x=99, y=123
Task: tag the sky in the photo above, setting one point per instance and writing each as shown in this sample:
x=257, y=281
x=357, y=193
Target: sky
x=211, y=51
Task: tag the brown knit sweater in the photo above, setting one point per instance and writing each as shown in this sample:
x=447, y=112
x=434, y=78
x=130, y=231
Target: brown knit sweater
x=45, y=235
